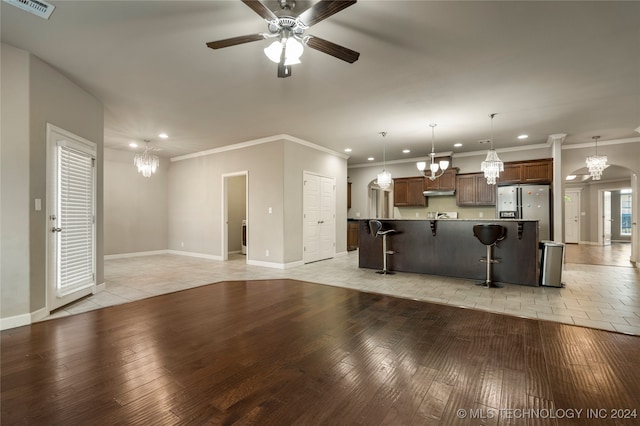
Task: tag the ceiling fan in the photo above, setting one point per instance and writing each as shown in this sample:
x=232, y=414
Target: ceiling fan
x=289, y=33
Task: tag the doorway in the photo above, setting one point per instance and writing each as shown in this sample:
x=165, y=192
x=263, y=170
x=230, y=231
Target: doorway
x=380, y=201
x=71, y=229
x=235, y=224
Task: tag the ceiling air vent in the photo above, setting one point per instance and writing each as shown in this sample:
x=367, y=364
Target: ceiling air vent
x=37, y=7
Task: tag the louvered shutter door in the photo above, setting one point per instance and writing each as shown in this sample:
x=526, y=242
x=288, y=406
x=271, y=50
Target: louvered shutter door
x=76, y=241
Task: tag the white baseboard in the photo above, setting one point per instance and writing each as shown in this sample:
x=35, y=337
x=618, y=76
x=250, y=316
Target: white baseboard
x=589, y=243
x=15, y=321
x=275, y=265
x=39, y=314
x=266, y=264
x=193, y=254
x=136, y=254
x=100, y=287
x=342, y=253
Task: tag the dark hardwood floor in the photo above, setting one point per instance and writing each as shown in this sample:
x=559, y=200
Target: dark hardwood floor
x=282, y=352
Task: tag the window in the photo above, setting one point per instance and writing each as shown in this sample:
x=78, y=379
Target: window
x=625, y=212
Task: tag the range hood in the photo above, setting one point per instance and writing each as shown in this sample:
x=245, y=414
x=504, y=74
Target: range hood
x=438, y=193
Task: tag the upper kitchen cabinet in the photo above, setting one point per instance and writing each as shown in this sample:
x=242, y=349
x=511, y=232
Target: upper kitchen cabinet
x=472, y=190
x=532, y=171
x=446, y=182
x=408, y=192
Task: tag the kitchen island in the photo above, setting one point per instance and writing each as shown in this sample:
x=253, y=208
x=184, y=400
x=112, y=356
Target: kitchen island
x=448, y=247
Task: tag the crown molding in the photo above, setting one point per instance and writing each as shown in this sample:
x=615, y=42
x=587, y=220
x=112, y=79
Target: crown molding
x=260, y=141
x=601, y=143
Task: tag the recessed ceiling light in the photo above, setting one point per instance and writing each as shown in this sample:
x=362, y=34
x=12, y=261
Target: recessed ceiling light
x=406, y=151
x=570, y=177
x=370, y=158
x=163, y=136
x=133, y=145
x=457, y=145
x=347, y=150
x=522, y=136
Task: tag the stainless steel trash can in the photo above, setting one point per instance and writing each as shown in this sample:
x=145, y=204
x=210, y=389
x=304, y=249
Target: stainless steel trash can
x=551, y=263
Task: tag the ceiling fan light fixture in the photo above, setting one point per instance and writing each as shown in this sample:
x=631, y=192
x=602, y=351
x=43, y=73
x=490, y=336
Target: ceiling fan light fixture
x=274, y=51
x=294, y=49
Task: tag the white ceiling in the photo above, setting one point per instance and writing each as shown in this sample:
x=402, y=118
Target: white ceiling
x=544, y=67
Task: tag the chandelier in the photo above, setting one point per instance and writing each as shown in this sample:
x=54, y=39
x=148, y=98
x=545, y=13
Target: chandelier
x=384, y=177
x=492, y=165
x=434, y=167
x=146, y=162
x=596, y=163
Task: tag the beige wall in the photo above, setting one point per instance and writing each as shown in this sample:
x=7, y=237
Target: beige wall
x=300, y=159
x=46, y=96
x=57, y=100
x=195, y=196
x=135, y=207
x=14, y=183
x=275, y=172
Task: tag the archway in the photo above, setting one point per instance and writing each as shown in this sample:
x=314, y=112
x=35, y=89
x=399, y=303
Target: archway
x=602, y=210
x=380, y=201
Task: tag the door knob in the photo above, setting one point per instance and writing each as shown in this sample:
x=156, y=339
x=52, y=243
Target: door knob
x=54, y=229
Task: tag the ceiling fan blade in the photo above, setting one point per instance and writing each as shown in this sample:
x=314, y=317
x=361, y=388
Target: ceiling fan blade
x=234, y=41
x=262, y=10
x=323, y=9
x=333, y=49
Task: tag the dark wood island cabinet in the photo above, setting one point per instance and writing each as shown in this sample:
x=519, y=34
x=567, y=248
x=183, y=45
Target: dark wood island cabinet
x=449, y=248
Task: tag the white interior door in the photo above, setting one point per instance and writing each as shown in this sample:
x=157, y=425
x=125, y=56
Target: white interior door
x=327, y=218
x=311, y=217
x=319, y=212
x=572, y=217
x=606, y=218
x=71, y=217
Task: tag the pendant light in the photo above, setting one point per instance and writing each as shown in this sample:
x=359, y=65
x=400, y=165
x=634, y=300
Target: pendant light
x=596, y=163
x=384, y=177
x=442, y=165
x=492, y=165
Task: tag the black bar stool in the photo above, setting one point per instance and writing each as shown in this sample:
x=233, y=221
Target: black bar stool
x=489, y=235
x=375, y=226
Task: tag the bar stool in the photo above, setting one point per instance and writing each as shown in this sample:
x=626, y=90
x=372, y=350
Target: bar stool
x=375, y=226
x=489, y=235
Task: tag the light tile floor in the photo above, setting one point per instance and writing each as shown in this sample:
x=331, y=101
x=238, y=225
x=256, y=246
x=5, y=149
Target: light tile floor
x=603, y=297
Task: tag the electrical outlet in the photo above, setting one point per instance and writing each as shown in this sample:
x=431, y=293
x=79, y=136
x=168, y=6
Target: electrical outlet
x=270, y=210
x=266, y=253
x=181, y=243
x=481, y=214
x=417, y=214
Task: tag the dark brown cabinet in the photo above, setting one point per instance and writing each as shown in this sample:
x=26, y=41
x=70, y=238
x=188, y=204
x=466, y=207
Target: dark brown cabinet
x=408, y=192
x=446, y=182
x=472, y=190
x=352, y=235
x=533, y=171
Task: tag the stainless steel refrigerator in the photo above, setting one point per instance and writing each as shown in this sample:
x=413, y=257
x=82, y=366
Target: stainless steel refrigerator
x=531, y=202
